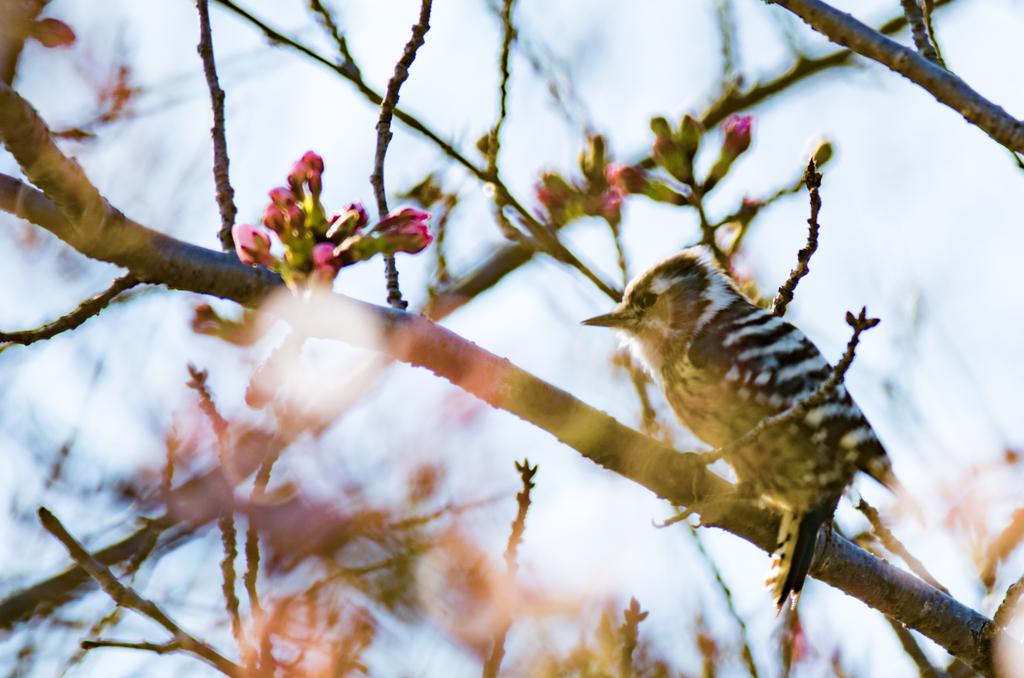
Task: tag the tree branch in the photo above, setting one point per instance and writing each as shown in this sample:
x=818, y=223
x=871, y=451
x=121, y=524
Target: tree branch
x=126, y=597
x=225, y=194
x=812, y=178
x=387, y=111
x=76, y=318
x=915, y=17
x=947, y=88
x=515, y=538
x=895, y=546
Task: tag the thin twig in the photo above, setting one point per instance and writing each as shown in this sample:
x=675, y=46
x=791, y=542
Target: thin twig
x=526, y=473
x=387, y=110
x=727, y=28
x=1004, y=614
x=745, y=652
x=74, y=319
x=159, y=648
x=800, y=409
x=630, y=631
x=915, y=17
x=843, y=29
x=895, y=546
x=325, y=19
x=928, y=6
x=494, y=143
x=225, y=194
x=226, y=521
x=914, y=651
x=252, y=563
x=209, y=408
x=812, y=178
x=1002, y=546
x=127, y=597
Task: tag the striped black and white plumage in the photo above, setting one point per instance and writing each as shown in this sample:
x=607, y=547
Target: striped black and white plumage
x=724, y=365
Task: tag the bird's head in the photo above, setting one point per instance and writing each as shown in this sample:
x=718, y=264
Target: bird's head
x=665, y=306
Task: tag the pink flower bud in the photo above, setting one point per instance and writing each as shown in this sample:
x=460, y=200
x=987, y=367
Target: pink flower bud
x=51, y=32
x=273, y=218
x=315, y=185
x=296, y=217
x=347, y=222
x=737, y=134
x=405, y=230
x=313, y=162
x=252, y=245
x=362, y=218
x=554, y=193
x=628, y=178
x=282, y=197
x=401, y=217
x=323, y=254
x=295, y=178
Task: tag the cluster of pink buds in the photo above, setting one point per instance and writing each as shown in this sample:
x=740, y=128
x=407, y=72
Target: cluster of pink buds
x=316, y=247
x=594, y=196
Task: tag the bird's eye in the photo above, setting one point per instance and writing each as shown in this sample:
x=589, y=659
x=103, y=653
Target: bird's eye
x=646, y=300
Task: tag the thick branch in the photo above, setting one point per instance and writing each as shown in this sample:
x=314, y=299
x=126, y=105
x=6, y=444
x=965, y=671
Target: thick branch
x=947, y=88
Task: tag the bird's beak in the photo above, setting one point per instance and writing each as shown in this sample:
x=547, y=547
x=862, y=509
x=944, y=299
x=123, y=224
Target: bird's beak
x=618, y=318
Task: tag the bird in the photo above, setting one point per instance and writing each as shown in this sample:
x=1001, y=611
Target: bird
x=724, y=365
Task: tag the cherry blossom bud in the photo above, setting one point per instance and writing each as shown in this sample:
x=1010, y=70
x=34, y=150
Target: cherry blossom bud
x=273, y=218
x=323, y=254
x=660, y=127
x=822, y=154
x=315, y=185
x=282, y=197
x=295, y=178
x=690, y=131
x=628, y=178
x=252, y=245
x=51, y=32
x=405, y=230
x=296, y=217
x=737, y=134
x=312, y=162
x=669, y=153
x=347, y=222
x=553, y=192
x=401, y=217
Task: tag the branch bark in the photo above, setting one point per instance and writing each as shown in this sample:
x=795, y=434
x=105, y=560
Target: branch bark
x=947, y=88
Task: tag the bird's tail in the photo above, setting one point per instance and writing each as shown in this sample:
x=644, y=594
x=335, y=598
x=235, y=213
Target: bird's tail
x=794, y=552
